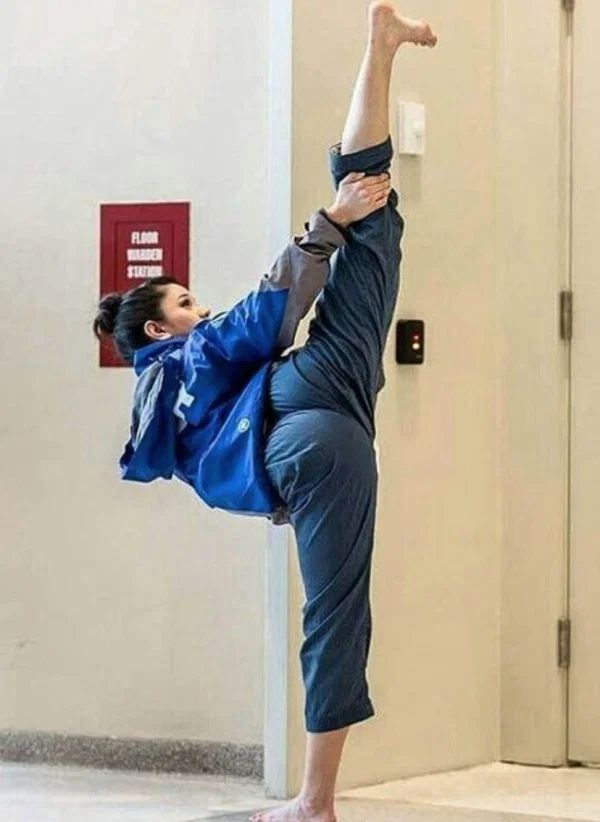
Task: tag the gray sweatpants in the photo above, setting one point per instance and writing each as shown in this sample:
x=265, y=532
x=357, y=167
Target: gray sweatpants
x=319, y=452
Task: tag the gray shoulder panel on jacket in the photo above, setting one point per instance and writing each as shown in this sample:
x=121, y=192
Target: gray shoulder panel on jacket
x=303, y=268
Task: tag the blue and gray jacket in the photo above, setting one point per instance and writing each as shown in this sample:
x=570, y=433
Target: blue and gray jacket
x=199, y=404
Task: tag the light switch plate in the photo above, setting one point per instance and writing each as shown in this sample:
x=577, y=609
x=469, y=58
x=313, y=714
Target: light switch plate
x=411, y=128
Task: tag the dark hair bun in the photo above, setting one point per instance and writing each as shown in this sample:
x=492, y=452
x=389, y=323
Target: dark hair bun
x=108, y=309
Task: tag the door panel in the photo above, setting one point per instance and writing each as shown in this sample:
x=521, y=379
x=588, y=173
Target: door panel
x=584, y=673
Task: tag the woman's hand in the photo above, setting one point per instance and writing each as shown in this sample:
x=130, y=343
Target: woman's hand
x=359, y=195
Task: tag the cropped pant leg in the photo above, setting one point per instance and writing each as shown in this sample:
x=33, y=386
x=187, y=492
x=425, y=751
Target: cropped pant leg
x=319, y=453
x=323, y=462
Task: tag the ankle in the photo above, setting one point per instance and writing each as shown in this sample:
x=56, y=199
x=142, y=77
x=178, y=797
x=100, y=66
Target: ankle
x=378, y=49
x=313, y=804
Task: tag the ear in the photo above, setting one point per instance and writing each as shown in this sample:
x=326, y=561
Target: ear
x=153, y=330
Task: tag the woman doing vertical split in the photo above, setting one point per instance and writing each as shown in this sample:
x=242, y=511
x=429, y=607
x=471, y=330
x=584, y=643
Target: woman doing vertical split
x=258, y=432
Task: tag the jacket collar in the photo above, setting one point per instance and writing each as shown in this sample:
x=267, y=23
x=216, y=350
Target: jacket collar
x=142, y=357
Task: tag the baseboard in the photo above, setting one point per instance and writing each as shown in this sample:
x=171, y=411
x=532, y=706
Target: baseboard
x=159, y=755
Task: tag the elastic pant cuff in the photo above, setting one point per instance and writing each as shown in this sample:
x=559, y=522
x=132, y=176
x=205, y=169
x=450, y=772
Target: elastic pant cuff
x=357, y=714
x=372, y=160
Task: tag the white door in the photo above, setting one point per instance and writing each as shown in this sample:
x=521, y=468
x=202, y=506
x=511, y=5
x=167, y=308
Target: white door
x=584, y=594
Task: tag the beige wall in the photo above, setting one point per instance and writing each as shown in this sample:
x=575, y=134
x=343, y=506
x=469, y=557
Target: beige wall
x=532, y=267
x=127, y=609
x=435, y=592
x=469, y=571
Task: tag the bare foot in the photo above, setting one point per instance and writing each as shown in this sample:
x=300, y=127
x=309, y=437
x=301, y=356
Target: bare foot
x=387, y=26
x=295, y=811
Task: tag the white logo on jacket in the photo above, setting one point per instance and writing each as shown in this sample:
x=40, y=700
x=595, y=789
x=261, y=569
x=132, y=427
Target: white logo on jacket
x=184, y=400
x=243, y=425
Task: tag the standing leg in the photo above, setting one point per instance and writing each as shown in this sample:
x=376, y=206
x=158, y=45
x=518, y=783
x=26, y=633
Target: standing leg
x=323, y=464
x=344, y=585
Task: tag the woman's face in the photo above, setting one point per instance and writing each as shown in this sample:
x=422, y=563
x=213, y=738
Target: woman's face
x=181, y=313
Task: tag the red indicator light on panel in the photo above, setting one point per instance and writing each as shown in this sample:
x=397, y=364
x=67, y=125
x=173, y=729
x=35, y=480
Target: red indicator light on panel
x=410, y=342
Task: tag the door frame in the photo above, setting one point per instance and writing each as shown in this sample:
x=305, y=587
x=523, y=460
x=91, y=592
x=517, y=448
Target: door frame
x=278, y=537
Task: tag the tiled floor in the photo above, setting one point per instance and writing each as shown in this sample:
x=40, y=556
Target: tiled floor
x=44, y=793
x=495, y=792
x=559, y=793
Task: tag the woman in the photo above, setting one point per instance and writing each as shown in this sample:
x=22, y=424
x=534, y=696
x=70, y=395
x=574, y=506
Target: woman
x=291, y=437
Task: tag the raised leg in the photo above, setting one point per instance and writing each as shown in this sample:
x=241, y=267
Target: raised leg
x=368, y=120
x=340, y=367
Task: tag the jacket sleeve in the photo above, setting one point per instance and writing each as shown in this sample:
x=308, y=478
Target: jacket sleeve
x=220, y=354
x=268, y=317
x=303, y=269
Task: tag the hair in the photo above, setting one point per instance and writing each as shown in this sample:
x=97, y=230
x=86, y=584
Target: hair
x=123, y=316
